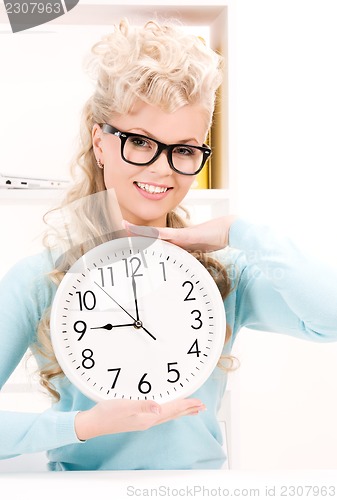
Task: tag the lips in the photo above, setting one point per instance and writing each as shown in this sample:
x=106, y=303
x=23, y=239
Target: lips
x=152, y=191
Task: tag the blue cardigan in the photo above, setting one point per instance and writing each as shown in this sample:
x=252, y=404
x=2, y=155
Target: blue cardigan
x=275, y=288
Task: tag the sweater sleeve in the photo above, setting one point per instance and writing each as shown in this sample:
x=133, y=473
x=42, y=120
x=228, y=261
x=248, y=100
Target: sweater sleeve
x=24, y=294
x=279, y=288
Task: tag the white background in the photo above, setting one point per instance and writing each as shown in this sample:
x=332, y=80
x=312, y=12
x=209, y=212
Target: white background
x=285, y=103
x=283, y=129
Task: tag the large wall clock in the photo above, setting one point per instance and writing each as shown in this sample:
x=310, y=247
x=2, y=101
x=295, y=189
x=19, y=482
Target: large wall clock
x=137, y=318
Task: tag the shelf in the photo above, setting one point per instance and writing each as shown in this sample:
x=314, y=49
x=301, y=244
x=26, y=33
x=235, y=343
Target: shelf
x=41, y=195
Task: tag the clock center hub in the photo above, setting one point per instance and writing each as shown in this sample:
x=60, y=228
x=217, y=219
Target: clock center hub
x=137, y=324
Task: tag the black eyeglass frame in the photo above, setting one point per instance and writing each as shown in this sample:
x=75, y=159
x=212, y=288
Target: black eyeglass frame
x=123, y=136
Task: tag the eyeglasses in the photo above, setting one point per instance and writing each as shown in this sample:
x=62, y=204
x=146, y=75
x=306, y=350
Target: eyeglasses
x=141, y=150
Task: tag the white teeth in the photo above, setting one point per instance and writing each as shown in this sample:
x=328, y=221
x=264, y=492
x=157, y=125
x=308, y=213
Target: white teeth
x=151, y=189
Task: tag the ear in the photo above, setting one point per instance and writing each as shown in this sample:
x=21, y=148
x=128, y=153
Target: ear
x=97, y=142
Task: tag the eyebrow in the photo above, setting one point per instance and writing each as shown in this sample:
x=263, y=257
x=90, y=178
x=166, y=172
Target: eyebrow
x=148, y=134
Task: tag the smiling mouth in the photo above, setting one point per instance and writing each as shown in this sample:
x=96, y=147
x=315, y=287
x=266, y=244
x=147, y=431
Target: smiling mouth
x=149, y=188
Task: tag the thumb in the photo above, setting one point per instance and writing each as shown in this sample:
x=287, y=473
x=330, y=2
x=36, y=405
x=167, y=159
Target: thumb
x=150, y=407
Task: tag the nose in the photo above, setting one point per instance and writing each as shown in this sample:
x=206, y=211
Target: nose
x=161, y=165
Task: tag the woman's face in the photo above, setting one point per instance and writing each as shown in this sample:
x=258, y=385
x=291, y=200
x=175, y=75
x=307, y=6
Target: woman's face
x=134, y=185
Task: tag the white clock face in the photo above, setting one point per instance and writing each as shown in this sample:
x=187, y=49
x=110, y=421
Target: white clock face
x=137, y=318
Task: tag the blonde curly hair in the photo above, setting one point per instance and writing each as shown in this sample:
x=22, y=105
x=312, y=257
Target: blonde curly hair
x=164, y=66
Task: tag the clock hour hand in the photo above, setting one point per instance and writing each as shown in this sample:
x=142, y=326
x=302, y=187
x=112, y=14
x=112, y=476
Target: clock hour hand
x=137, y=323
x=109, y=326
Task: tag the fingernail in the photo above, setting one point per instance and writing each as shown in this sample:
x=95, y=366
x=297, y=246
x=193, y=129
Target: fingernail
x=196, y=410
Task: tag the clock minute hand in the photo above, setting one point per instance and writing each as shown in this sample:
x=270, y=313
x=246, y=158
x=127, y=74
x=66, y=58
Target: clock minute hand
x=134, y=289
x=115, y=301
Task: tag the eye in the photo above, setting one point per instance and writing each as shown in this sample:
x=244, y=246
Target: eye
x=184, y=151
x=140, y=142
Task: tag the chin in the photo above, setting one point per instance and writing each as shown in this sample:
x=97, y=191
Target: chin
x=146, y=220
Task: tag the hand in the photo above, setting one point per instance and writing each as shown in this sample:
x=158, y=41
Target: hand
x=206, y=237
x=115, y=416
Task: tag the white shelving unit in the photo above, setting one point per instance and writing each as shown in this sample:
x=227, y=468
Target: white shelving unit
x=77, y=30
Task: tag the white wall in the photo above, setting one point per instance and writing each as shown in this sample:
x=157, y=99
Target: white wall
x=285, y=100
x=286, y=108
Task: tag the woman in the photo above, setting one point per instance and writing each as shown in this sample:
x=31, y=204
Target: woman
x=143, y=136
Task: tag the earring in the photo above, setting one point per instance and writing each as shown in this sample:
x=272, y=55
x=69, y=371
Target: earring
x=99, y=163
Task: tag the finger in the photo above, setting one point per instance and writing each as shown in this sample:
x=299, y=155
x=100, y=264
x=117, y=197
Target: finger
x=129, y=408
x=171, y=408
x=181, y=237
x=187, y=237
x=184, y=404
x=183, y=412
x=181, y=407
x=193, y=238
x=149, y=413
x=134, y=230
